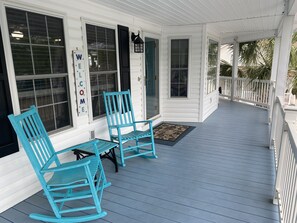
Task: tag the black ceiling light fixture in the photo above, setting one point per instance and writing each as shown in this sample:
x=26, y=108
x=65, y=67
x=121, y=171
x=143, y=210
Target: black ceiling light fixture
x=138, y=43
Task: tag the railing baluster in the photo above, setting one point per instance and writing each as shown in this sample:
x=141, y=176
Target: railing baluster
x=254, y=91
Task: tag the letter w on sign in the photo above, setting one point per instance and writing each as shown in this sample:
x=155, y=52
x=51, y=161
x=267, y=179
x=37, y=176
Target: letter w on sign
x=78, y=56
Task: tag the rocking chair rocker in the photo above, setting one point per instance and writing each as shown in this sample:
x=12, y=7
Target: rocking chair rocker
x=122, y=127
x=77, y=180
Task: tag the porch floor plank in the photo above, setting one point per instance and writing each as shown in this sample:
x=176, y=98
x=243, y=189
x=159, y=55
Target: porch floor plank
x=222, y=172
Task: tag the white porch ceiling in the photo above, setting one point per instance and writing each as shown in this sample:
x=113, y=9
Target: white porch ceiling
x=229, y=18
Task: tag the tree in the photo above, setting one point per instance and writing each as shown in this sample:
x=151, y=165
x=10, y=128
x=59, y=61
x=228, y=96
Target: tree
x=226, y=69
x=256, y=59
x=292, y=72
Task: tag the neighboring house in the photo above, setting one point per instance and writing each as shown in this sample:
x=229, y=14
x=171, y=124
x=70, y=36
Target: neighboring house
x=175, y=79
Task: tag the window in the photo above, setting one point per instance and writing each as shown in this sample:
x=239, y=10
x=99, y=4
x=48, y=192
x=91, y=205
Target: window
x=102, y=65
x=179, y=67
x=38, y=51
x=212, y=66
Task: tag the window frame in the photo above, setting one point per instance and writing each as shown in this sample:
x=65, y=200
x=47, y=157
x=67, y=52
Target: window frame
x=214, y=39
x=84, y=22
x=189, y=38
x=10, y=62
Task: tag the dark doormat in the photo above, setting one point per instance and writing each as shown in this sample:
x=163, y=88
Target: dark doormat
x=169, y=134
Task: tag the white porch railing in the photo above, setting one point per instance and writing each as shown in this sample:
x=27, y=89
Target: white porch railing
x=226, y=85
x=254, y=91
x=277, y=128
x=284, y=138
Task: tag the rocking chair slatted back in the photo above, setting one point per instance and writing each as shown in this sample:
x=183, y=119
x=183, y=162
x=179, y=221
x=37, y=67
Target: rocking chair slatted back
x=119, y=110
x=34, y=138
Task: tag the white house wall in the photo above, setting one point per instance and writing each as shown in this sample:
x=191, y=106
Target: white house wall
x=17, y=180
x=182, y=109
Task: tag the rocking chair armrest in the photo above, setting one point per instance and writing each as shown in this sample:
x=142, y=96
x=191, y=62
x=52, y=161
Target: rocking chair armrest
x=67, y=166
x=79, y=146
x=144, y=121
x=150, y=122
x=121, y=126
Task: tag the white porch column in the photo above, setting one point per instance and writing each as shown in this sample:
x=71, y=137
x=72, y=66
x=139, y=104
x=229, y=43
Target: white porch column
x=277, y=41
x=234, y=68
x=284, y=55
x=273, y=75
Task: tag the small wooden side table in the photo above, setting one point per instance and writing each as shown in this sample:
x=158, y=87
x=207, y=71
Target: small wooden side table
x=105, y=149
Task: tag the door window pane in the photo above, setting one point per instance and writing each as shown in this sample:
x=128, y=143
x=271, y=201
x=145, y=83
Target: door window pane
x=212, y=66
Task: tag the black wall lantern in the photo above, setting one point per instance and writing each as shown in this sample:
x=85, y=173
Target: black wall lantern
x=138, y=43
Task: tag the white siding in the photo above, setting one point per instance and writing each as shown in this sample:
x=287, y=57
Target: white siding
x=136, y=70
x=17, y=178
x=182, y=109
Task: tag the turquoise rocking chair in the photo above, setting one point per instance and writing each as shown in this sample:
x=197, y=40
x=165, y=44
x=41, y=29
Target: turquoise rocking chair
x=123, y=127
x=62, y=183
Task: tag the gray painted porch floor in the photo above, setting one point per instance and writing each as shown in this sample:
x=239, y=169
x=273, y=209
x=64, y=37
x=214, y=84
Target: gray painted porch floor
x=221, y=172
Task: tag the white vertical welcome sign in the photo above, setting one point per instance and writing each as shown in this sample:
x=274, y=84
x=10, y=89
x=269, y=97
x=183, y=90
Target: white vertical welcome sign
x=80, y=80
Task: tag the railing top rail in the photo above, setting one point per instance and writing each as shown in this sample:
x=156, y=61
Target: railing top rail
x=225, y=77
x=246, y=79
x=253, y=80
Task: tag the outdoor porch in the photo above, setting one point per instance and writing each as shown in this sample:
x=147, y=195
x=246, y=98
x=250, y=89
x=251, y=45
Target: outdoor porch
x=222, y=171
